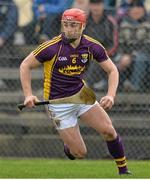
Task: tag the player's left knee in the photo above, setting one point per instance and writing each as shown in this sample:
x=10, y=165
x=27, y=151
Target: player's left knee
x=109, y=134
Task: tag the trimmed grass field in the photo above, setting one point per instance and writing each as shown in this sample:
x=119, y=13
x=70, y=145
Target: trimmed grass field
x=54, y=168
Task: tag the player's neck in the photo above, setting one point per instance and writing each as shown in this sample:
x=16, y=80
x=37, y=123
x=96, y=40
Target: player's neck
x=75, y=43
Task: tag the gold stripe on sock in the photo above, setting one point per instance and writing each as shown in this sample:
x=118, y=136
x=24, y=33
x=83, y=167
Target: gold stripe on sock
x=120, y=159
x=122, y=165
x=121, y=162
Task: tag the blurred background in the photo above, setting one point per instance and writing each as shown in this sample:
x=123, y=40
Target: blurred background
x=123, y=27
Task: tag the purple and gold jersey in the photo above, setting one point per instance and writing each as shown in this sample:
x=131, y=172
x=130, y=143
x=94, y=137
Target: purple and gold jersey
x=64, y=66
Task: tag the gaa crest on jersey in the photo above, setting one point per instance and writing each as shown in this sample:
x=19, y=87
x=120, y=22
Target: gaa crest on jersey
x=61, y=58
x=84, y=58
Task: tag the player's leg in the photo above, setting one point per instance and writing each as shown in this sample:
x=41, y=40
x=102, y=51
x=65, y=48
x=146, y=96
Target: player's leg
x=74, y=146
x=64, y=118
x=98, y=119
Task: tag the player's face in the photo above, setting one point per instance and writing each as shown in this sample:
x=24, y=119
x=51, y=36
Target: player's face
x=72, y=29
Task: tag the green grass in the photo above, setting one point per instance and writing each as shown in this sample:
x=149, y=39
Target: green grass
x=51, y=168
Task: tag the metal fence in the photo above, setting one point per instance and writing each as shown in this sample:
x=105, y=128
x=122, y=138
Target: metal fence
x=31, y=134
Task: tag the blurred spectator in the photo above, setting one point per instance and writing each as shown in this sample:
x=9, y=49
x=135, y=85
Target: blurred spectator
x=110, y=6
x=45, y=11
x=138, y=1
x=110, y=3
x=8, y=26
x=103, y=28
x=23, y=35
x=147, y=5
x=135, y=45
x=125, y=5
x=8, y=22
x=81, y=4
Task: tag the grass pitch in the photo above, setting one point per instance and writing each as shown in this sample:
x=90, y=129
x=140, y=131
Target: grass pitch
x=53, y=168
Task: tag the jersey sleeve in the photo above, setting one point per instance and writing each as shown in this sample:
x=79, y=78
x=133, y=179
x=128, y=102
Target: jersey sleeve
x=99, y=53
x=43, y=53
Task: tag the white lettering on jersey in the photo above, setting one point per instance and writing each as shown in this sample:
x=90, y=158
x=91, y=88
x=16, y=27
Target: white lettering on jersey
x=61, y=58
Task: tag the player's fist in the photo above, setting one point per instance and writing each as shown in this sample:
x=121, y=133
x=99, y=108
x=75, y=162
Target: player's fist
x=107, y=102
x=30, y=100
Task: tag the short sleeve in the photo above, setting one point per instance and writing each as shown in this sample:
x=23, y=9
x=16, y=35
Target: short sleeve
x=43, y=53
x=99, y=53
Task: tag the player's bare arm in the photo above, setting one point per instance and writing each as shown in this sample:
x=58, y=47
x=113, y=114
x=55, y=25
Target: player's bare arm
x=26, y=66
x=107, y=101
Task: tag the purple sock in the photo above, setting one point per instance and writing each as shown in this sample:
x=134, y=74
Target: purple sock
x=116, y=149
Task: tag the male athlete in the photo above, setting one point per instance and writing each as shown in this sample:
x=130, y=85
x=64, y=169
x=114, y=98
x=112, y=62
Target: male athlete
x=65, y=59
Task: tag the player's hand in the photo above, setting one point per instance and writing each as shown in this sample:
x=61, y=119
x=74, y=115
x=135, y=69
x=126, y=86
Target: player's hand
x=107, y=102
x=30, y=101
